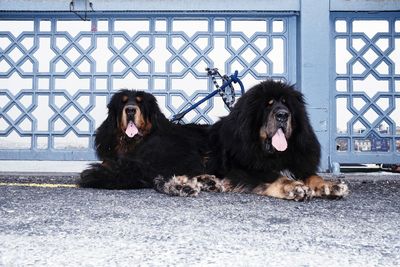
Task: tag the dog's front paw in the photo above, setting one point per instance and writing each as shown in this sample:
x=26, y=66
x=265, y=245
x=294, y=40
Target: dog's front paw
x=285, y=188
x=182, y=186
x=327, y=189
x=297, y=191
x=210, y=183
x=333, y=190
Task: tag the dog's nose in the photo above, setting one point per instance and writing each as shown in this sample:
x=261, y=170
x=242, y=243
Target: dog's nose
x=282, y=115
x=130, y=110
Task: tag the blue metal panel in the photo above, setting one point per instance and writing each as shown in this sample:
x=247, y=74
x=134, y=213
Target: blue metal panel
x=365, y=93
x=57, y=73
x=158, y=5
x=363, y=5
x=314, y=62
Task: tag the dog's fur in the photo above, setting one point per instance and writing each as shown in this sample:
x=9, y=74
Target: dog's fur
x=266, y=146
x=243, y=152
x=161, y=154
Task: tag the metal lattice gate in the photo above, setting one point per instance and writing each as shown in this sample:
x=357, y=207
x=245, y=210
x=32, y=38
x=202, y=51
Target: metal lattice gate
x=58, y=72
x=366, y=88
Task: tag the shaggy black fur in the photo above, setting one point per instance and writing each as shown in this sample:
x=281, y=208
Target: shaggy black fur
x=159, y=149
x=267, y=132
x=242, y=150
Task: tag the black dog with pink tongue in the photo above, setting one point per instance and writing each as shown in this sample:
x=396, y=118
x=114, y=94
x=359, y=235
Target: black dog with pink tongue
x=140, y=148
x=266, y=133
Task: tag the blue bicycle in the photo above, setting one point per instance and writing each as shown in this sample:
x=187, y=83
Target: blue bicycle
x=226, y=91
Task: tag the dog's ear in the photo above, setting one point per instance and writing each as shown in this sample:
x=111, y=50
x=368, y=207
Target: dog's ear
x=298, y=96
x=297, y=105
x=248, y=116
x=152, y=114
x=304, y=138
x=105, y=140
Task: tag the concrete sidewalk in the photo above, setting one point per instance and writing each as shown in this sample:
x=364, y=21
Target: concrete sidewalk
x=41, y=225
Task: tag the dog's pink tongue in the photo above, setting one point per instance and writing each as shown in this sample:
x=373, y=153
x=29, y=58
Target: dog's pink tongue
x=131, y=129
x=279, y=140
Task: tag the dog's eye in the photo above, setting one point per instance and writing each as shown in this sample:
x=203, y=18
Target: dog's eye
x=125, y=99
x=271, y=102
x=283, y=100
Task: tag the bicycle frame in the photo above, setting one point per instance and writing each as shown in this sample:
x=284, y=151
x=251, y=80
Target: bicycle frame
x=227, y=81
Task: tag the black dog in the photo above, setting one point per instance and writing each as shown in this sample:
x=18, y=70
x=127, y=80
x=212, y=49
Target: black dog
x=266, y=146
x=140, y=148
x=266, y=141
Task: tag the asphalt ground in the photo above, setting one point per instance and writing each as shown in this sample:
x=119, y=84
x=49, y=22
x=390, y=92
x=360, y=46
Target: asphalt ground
x=46, y=221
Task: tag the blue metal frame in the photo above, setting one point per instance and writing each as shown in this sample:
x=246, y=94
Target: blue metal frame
x=385, y=141
x=221, y=90
x=288, y=36
x=313, y=69
x=309, y=57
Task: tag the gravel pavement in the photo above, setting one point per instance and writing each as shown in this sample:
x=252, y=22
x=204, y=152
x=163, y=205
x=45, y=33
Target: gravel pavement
x=68, y=226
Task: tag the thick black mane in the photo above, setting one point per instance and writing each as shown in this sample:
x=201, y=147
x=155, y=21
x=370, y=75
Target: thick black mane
x=236, y=145
x=264, y=143
x=166, y=150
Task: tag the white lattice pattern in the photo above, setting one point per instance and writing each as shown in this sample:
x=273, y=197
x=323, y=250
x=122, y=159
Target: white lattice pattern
x=56, y=75
x=367, y=83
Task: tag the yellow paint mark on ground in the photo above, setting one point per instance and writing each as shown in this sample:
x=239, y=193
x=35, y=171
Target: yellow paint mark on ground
x=40, y=185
